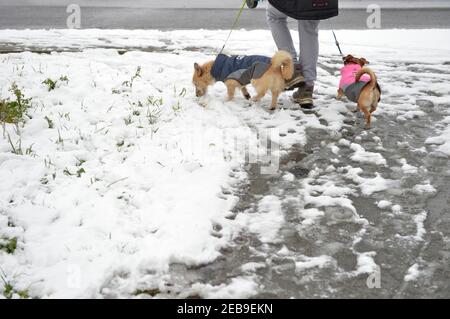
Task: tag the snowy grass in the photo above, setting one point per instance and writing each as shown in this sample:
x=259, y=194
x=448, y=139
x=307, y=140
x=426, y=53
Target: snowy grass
x=13, y=111
x=113, y=177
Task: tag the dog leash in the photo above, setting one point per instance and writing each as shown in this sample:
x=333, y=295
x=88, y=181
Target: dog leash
x=239, y=14
x=234, y=25
x=337, y=43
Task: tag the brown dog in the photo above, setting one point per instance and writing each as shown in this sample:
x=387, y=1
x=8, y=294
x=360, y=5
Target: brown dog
x=360, y=85
x=265, y=74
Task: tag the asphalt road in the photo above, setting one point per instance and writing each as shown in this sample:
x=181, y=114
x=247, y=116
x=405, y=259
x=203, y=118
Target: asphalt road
x=47, y=17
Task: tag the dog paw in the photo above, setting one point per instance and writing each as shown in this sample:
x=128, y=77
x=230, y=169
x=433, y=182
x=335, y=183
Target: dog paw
x=247, y=96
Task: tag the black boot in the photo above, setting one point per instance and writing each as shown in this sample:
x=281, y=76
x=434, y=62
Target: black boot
x=304, y=96
x=297, y=79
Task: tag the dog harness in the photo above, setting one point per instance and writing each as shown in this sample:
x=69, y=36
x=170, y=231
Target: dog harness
x=240, y=68
x=348, y=84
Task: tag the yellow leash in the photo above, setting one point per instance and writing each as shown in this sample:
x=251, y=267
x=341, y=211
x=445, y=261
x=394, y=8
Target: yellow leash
x=234, y=24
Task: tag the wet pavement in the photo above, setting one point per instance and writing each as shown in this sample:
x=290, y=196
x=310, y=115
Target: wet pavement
x=326, y=258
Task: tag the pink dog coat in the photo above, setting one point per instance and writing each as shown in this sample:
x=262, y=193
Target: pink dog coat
x=348, y=73
x=348, y=84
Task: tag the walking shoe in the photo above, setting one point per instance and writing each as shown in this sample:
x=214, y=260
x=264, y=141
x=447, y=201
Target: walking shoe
x=297, y=79
x=304, y=96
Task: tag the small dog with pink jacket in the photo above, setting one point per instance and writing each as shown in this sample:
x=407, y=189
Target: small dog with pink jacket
x=360, y=85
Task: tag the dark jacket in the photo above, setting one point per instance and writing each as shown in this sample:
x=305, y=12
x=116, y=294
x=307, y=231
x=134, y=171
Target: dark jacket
x=307, y=9
x=240, y=68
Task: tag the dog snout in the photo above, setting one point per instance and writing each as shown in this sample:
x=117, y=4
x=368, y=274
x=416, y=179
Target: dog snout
x=199, y=93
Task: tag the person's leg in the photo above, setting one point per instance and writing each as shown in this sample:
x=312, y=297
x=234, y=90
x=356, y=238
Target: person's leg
x=277, y=22
x=309, y=53
x=309, y=49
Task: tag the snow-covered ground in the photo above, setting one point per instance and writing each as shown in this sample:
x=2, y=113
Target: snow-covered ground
x=125, y=173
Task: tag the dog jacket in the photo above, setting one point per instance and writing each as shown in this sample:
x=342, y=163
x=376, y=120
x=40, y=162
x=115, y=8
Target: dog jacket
x=240, y=68
x=348, y=84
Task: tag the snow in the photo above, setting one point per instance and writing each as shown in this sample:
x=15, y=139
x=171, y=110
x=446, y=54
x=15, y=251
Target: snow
x=413, y=273
x=326, y=194
x=310, y=216
x=289, y=177
x=252, y=267
x=312, y=262
x=267, y=221
x=147, y=197
x=384, y=204
x=362, y=156
x=334, y=149
x=425, y=188
x=396, y=209
x=406, y=168
x=366, y=263
x=442, y=140
x=420, y=220
x=369, y=43
x=369, y=186
x=344, y=142
x=155, y=180
x=238, y=288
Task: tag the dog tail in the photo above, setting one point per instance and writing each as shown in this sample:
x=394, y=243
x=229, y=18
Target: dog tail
x=373, y=78
x=282, y=62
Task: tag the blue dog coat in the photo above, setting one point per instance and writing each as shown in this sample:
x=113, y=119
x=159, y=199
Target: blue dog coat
x=240, y=68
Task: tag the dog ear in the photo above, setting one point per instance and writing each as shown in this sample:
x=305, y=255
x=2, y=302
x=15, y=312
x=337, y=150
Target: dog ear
x=363, y=61
x=348, y=58
x=198, y=69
